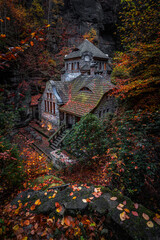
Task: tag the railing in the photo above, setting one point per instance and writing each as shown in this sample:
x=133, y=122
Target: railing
x=61, y=141
x=57, y=133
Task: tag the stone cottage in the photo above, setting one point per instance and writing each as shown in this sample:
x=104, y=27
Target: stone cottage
x=84, y=88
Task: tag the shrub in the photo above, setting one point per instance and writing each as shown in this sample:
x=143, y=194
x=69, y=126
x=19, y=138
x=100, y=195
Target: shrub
x=133, y=150
x=11, y=169
x=87, y=139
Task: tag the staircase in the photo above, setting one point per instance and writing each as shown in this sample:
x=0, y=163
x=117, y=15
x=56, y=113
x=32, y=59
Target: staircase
x=57, y=138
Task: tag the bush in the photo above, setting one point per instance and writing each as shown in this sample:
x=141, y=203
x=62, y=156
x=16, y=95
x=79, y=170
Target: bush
x=133, y=151
x=87, y=138
x=11, y=169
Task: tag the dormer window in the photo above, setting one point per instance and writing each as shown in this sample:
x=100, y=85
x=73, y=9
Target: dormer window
x=86, y=58
x=86, y=89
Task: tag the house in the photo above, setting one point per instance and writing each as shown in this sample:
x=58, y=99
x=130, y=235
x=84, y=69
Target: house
x=84, y=88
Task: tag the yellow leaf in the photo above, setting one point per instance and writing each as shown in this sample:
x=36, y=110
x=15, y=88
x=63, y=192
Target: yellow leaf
x=150, y=224
x=38, y=202
x=16, y=227
x=74, y=197
x=24, y=238
x=123, y=216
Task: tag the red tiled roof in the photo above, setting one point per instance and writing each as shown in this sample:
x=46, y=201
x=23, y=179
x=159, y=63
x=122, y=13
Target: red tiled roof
x=82, y=102
x=77, y=108
x=34, y=99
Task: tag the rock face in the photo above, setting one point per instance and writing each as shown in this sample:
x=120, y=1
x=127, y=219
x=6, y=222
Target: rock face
x=73, y=200
x=98, y=14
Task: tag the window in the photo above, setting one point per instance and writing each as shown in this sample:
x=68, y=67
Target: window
x=47, y=95
x=105, y=66
x=50, y=107
x=72, y=66
x=77, y=65
x=53, y=108
x=45, y=103
x=67, y=66
x=50, y=95
x=47, y=106
x=86, y=89
x=86, y=58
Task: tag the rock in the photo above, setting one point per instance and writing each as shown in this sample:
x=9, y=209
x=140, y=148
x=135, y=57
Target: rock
x=72, y=202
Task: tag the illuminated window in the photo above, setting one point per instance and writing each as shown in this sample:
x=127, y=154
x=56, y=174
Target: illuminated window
x=105, y=66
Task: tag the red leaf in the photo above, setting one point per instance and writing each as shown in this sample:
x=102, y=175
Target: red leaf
x=135, y=213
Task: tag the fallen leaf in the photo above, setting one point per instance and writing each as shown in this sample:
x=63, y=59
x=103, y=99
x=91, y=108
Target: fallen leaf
x=136, y=205
x=124, y=202
x=45, y=193
x=38, y=202
x=119, y=208
x=145, y=216
x=57, y=204
x=28, y=196
x=16, y=227
x=74, y=197
x=157, y=220
x=127, y=210
x=24, y=238
x=36, y=226
x=71, y=194
x=26, y=222
x=123, y=216
x=84, y=200
x=113, y=198
x=68, y=220
x=31, y=43
x=150, y=224
x=135, y=213
x=33, y=232
x=32, y=207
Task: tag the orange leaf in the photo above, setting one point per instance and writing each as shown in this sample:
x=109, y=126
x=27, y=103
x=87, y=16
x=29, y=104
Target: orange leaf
x=150, y=224
x=68, y=220
x=113, y=198
x=3, y=35
x=127, y=210
x=27, y=222
x=16, y=227
x=8, y=18
x=31, y=43
x=135, y=213
x=38, y=202
x=74, y=197
x=32, y=207
x=71, y=194
x=145, y=216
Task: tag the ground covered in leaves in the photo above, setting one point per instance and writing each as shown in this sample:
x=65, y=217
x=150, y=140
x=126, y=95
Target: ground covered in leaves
x=66, y=204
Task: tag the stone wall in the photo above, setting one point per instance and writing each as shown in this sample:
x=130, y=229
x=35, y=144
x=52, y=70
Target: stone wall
x=108, y=104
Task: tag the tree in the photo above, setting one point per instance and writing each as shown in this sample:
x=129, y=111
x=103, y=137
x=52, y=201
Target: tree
x=87, y=139
x=136, y=68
